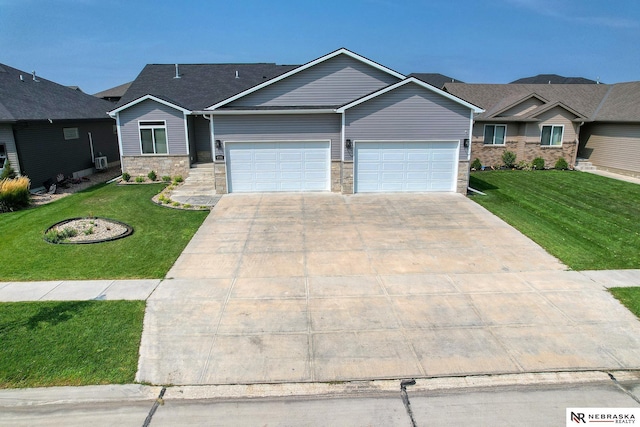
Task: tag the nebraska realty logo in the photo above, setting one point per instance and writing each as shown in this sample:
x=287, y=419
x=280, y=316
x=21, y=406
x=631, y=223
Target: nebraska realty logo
x=602, y=415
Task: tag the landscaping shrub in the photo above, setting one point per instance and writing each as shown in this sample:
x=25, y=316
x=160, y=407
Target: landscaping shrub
x=126, y=177
x=166, y=178
x=139, y=178
x=561, y=164
x=8, y=171
x=524, y=165
x=509, y=159
x=57, y=236
x=14, y=193
x=152, y=175
x=538, y=163
x=476, y=164
x=178, y=179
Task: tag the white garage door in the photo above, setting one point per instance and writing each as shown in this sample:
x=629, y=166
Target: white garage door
x=405, y=166
x=278, y=166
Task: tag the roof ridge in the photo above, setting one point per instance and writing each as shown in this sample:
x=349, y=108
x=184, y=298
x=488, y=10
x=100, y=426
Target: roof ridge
x=604, y=98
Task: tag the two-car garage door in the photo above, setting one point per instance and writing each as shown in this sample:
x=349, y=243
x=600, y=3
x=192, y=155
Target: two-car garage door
x=396, y=166
x=278, y=166
x=380, y=166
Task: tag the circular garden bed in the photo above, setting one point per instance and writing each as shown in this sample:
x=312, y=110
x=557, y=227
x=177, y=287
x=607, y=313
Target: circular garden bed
x=86, y=230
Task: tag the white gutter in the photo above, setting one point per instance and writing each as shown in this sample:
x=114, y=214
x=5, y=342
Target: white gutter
x=247, y=112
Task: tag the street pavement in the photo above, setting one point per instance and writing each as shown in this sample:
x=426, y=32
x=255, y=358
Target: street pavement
x=511, y=400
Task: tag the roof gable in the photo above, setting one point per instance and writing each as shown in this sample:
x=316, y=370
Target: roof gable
x=146, y=98
x=410, y=80
x=301, y=69
x=520, y=106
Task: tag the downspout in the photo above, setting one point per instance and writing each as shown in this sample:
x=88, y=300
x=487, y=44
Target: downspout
x=119, y=132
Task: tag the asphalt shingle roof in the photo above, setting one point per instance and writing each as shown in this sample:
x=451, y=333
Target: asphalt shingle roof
x=584, y=99
x=199, y=85
x=553, y=79
x=114, y=92
x=434, y=79
x=43, y=99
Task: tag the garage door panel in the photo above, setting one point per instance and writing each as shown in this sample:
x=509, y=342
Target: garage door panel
x=278, y=166
x=405, y=166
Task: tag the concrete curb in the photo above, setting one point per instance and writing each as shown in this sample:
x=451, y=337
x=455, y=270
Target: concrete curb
x=85, y=394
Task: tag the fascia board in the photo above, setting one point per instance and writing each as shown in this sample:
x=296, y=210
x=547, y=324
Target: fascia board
x=146, y=98
x=341, y=51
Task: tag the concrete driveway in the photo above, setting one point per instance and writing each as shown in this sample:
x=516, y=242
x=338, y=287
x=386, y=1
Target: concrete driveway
x=324, y=287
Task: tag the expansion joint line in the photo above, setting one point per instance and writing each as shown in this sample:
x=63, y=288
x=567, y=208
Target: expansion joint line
x=159, y=401
x=615, y=381
x=405, y=399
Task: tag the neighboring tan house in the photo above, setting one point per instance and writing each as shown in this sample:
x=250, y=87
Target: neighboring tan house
x=47, y=129
x=594, y=122
x=339, y=123
x=542, y=120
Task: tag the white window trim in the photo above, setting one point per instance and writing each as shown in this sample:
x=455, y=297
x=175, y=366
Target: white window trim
x=561, y=135
x=484, y=132
x=142, y=126
x=71, y=133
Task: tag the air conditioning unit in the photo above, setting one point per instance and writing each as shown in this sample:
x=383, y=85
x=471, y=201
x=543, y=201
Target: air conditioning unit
x=101, y=163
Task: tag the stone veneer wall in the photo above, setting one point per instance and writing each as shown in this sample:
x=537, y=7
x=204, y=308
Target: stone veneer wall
x=347, y=178
x=161, y=165
x=220, y=177
x=463, y=177
x=491, y=155
x=336, y=176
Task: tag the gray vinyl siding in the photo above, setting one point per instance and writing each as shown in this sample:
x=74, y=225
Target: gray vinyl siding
x=334, y=82
x=44, y=153
x=272, y=127
x=150, y=110
x=612, y=145
x=6, y=139
x=408, y=113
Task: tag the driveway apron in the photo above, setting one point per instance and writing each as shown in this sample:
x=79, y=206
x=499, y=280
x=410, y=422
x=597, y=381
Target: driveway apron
x=325, y=287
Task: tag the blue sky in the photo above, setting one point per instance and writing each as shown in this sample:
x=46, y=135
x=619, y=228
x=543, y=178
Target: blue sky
x=97, y=44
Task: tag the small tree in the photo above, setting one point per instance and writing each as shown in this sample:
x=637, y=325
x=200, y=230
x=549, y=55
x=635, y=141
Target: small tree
x=476, y=165
x=8, y=171
x=509, y=159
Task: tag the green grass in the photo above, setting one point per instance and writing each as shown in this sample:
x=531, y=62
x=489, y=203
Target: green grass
x=159, y=236
x=587, y=221
x=630, y=297
x=69, y=343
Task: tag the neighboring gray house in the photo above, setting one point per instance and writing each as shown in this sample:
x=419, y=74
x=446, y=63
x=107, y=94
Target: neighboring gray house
x=47, y=129
x=340, y=123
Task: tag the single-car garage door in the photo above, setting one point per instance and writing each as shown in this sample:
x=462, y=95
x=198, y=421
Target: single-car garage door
x=278, y=166
x=396, y=166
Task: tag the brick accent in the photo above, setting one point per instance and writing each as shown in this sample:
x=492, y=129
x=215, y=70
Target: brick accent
x=491, y=155
x=336, y=176
x=347, y=177
x=162, y=165
x=220, y=176
x=463, y=177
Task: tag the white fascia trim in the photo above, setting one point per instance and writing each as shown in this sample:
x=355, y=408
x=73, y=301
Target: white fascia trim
x=341, y=51
x=145, y=98
x=119, y=131
x=186, y=135
x=420, y=83
x=251, y=112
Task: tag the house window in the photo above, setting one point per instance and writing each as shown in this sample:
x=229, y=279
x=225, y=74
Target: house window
x=153, y=137
x=494, y=134
x=70, y=133
x=552, y=135
x=3, y=155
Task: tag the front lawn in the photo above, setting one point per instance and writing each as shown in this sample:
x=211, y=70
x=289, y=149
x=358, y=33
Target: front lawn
x=587, y=221
x=160, y=234
x=630, y=297
x=65, y=343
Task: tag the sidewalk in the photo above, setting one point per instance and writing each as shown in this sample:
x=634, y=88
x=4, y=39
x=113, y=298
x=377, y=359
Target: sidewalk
x=76, y=290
